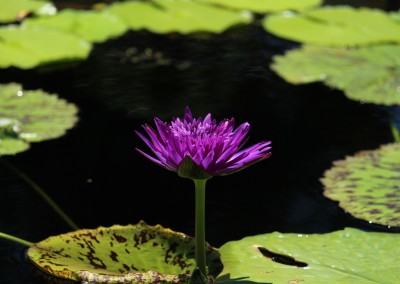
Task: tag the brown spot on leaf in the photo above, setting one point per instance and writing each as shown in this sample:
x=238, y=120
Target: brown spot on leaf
x=119, y=239
x=113, y=256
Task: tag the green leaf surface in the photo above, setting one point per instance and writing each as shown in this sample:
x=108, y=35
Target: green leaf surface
x=12, y=10
x=165, y=16
x=336, y=26
x=93, y=26
x=366, y=185
x=341, y=257
x=265, y=6
x=368, y=74
x=29, y=47
x=31, y=116
x=121, y=254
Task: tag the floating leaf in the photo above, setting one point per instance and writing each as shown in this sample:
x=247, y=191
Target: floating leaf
x=121, y=254
x=165, y=16
x=12, y=10
x=265, y=6
x=367, y=74
x=335, y=25
x=93, y=26
x=341, y=257
x=31, y=116
x=367, y=185
x=29, y=47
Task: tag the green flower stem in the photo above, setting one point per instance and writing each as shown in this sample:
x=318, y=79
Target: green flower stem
x=43, y=194
x=200, y=231
x=395, y=133
x=15, y=239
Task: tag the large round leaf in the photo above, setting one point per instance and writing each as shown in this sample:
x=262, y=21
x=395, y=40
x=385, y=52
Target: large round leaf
x=342, y=257
x=121, y=254
x=335, y=25
x=367, y=74
x=367, y=185
x=11, y=11
x=31, y=116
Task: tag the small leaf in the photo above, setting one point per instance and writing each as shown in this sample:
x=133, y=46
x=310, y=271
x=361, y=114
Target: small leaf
x=367, y=185
x=11, y=11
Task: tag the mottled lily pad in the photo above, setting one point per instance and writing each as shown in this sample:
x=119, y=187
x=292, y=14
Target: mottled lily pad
x=341, y=257
x=121, y=254
x=335, y=25
x=265, y=6
x=367, y=185
x=165, y=16
x=368, y=74
x=93, y=26
x=31, y=116
x=12, y=10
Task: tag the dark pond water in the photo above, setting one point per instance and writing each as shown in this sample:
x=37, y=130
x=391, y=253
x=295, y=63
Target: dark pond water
x=97, y=177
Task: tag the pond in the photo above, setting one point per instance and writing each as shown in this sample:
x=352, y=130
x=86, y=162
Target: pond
x=97, y=177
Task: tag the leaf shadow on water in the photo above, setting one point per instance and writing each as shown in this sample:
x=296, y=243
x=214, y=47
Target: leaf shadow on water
x=226, y=279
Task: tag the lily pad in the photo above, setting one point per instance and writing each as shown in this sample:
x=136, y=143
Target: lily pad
x=367, y=185
x=31, y=116
x=335, y=26
x=120, y=254
x=11, y=11
x=93, y=26
x=341, y=257
x=368, y=74
x=165, y=16
x=265, y=6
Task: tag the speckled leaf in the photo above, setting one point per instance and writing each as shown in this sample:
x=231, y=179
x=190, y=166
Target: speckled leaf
x=367, y=74
x=121, y=254
x=335, y=25
x=31, y=116
x=93, y=26
x=367, y=185
x=165, y=16
x=12, y=10
x=265, y=6
x=341, y=257
x=29, y=47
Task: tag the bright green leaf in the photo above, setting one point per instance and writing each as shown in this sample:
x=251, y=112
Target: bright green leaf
x=93, y=26
x=367, y=74
x=366, y=185
x=342, y=257
x=12, y=10
x=335, y=25
x=137, y=253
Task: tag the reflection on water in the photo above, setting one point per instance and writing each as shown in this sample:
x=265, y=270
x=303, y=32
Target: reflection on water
x=98, y=178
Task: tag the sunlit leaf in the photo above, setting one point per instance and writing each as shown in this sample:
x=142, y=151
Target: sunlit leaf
x=121, y=254
x=366, y=185
x=335, y=25
x=31, y=116
x=165, y=16
x=265, y=6
x=367, y=74
x=341, y=257
x=93, y=26
x=12, y=10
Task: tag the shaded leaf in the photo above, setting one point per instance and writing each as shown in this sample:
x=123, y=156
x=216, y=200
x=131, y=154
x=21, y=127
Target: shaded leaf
x=11, y=11
x=31, y=116
x=367, y=185
x=340, y=257
x=367, y=74
x=138, y=253
x=335, y=25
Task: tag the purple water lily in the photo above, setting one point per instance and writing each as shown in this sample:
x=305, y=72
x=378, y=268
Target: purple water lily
x=216, y=149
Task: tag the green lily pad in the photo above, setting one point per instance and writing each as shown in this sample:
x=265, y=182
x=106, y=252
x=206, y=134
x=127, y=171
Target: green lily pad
x=336, y=26
x=121, y=254
x=93, y=26
x=341, y=257
x=368, y=74
x=165, y=16
x=366, y=185
x=30, y=47
x=265, y=6
x=31, y=116
x=11, y=11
